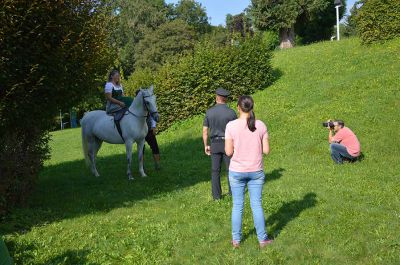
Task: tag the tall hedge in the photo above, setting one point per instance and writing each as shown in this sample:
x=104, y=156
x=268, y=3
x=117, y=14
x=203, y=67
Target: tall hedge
x=187, y=87
x=378, y=20
x=142, y=77
x=52, y=52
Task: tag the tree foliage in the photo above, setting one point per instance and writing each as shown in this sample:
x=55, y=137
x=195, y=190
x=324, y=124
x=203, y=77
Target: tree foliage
x=318, y=21
x=218, y=36
x=349, y=27
x=313, y=20
x=170, y=39
x=239, y=26
x=141, y=78
x=193, y=14
x=378, y=20
x=52, y=54
x=138, y=18
x=134, y=19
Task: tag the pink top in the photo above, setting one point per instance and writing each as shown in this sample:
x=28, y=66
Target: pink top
x=247, y=145
x=346, y=137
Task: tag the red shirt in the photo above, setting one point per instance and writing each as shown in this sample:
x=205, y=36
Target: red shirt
x=346, y=137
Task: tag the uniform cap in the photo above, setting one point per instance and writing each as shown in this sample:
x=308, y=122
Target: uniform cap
x=222, y=92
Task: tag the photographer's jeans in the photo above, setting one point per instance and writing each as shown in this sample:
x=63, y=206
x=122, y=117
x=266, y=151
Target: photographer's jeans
x=338, y=152
x=254, y=182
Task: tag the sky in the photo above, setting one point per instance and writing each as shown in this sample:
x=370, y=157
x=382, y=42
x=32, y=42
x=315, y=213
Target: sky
x=218, y=9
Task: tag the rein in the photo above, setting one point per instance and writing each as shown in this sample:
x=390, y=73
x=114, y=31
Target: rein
x=147, y=109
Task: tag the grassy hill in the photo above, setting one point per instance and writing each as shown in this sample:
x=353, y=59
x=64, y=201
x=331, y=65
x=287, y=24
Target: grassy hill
x=317, y=212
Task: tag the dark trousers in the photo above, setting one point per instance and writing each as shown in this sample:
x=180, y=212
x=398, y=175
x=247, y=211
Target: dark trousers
x=217, y=156
x=152, y=141
x=339, y=152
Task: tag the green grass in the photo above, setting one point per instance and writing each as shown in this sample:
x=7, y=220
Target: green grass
x=318, y=212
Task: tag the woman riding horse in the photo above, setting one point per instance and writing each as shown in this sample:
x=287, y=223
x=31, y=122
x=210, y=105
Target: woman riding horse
x=115, y=93
x=98, y=127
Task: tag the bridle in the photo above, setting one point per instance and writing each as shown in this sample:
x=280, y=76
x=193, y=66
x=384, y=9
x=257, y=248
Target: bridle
x=145, y=106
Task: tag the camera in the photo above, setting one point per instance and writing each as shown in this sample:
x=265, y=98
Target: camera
x=328, y=124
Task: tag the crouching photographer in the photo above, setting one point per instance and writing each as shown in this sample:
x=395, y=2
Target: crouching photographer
x=344, y=144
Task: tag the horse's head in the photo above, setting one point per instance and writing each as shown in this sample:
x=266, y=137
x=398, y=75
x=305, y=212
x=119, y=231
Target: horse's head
x=149, y=100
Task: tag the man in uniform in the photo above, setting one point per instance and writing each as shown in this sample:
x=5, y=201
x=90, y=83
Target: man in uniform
x=216, y=119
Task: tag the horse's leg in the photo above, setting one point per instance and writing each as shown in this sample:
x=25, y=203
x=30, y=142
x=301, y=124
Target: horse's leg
x=93, y=148
x=97, y=146
x=140, y=145
x=128, y=145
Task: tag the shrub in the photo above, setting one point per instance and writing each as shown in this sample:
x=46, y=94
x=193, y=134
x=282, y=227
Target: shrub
x=52, y=54
x=187, y=87
x=270, y=39
x=139, y=78
x=378, y=20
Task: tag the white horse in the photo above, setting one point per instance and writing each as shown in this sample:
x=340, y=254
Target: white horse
x=97, y=127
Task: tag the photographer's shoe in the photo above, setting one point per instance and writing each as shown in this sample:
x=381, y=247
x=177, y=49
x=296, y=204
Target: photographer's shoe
x=264, y=243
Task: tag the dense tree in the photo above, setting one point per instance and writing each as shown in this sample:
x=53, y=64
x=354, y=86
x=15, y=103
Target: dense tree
x=218, y=36
x=135, y=18
x=239, y=25
x=378, y=20
x=193, y=14
x=312, y=19
x=52, y=53
x=166, y=41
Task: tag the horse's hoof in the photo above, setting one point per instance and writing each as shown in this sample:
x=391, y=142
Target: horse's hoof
x=131, y=178
x=144, y=176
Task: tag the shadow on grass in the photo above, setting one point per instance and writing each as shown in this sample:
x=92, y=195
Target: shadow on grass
x=289, y=211
x=27, y=253
x=68, y=190
x=274, y=175
x=71, y=257
x=276, y=74
x=286, y=213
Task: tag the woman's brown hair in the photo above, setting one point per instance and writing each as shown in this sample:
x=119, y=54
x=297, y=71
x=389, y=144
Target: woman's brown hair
x=246, y=104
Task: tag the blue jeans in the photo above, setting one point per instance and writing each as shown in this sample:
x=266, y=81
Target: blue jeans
x=338, y=152
x=254, y=182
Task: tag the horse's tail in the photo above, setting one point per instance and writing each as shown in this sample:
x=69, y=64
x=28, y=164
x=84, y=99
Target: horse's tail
x=85, y=142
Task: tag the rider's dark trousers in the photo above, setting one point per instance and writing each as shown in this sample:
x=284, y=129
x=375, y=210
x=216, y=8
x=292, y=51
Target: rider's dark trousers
x=217, y=156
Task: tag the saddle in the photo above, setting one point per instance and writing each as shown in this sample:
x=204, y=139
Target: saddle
x=118, y=115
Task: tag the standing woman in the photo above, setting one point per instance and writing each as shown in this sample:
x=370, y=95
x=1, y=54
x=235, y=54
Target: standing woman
x=246, y=139
x=115, y=94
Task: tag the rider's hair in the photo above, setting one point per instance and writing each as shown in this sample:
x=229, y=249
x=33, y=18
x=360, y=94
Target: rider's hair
x=111, y=75
x=246, y=103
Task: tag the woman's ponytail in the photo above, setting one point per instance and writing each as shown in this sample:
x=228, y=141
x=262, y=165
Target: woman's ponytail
x=246, y=104
x=251, y=121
